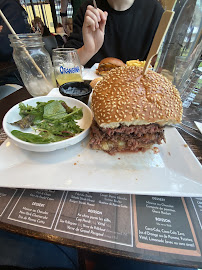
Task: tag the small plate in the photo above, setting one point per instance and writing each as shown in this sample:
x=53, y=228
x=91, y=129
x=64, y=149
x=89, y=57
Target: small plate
x=13, y=115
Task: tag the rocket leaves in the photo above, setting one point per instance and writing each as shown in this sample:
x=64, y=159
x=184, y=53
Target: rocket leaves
x=52, y=121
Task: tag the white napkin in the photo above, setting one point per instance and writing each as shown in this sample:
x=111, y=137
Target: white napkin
x=199, y=125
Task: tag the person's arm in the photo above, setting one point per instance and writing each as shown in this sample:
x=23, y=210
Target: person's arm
x=93, y=33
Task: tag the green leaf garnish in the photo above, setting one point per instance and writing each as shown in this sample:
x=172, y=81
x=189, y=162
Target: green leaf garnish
x=53, y=120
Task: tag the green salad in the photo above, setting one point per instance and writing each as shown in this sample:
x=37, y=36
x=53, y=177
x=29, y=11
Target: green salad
x=52, y=121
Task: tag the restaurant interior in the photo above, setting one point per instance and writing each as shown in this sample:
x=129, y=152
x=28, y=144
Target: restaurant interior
x=65, y=204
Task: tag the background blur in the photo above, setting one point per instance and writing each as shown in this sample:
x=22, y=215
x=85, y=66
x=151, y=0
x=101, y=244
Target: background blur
x=49, y=11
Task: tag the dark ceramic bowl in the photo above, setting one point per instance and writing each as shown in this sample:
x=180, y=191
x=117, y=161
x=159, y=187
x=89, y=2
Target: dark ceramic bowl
x=77, y=90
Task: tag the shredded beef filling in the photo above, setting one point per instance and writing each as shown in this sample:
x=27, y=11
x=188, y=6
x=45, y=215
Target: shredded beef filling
x=123, y=138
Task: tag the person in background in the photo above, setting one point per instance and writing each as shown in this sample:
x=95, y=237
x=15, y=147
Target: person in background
x=60, y=31
x=39, y=27
x=17, y=17
x=122, y=29
x=76, y=5
x=67, y=22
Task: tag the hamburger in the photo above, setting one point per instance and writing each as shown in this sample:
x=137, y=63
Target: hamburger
x=108, y=64
x=131, y=110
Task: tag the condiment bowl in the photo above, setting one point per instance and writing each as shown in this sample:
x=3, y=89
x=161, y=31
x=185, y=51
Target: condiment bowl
x=78, y=90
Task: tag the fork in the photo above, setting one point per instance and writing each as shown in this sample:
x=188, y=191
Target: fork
x=94, y=4
x=189, y=131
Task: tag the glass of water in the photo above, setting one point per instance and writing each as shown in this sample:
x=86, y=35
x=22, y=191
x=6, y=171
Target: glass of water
x=67, y=66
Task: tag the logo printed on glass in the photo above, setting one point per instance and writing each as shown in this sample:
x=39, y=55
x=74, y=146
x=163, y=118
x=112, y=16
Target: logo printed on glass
x=64, y=70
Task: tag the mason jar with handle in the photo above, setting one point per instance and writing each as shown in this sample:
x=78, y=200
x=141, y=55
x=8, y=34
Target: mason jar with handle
x=33, y=63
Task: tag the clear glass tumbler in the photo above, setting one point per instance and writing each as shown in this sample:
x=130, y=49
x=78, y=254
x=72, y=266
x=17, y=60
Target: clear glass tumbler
x=34, y=63
x=66, y=65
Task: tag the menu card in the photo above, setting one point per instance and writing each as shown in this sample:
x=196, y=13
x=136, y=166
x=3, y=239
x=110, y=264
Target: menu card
x=197, y=204
x=6, y=195
x=161, y=228
x=97, y=216
x=163, y=224
x=37, y=207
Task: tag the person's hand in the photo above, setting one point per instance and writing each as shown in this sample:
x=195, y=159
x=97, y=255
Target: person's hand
x=93, y=29
x=1, y=27
x=65, y=24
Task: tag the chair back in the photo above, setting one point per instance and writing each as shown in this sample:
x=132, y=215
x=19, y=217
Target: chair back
x=50, y=43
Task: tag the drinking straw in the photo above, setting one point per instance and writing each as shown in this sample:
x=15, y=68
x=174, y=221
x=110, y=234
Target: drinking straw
x=25, y=50
x=160, y=33
x=158, y=38
x=170, y=4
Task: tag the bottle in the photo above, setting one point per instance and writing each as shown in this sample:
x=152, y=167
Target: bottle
x=33, y=63
x=182, y=45
x=192, y=91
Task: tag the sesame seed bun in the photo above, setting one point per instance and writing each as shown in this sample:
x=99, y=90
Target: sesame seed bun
x=111, y=60
x=126, y=97
x=107, y=64
x=94, y=82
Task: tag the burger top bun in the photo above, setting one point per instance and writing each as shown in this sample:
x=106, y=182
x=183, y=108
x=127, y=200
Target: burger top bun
x=127, y=97
x=107, y=64
x=111, y=60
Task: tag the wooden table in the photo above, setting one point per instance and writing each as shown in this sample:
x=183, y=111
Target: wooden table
x=130, y=245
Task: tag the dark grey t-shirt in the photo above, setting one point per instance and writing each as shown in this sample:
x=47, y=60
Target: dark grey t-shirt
x=128, y=34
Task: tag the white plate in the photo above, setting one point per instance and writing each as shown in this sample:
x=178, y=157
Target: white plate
x=174, y=171
x=13, y=115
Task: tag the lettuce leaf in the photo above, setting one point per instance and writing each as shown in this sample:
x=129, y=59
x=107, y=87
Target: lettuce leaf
x=53, y=120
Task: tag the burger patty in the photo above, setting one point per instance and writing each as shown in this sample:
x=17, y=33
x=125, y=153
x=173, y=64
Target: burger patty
x=106, y=67
x=124, y=138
